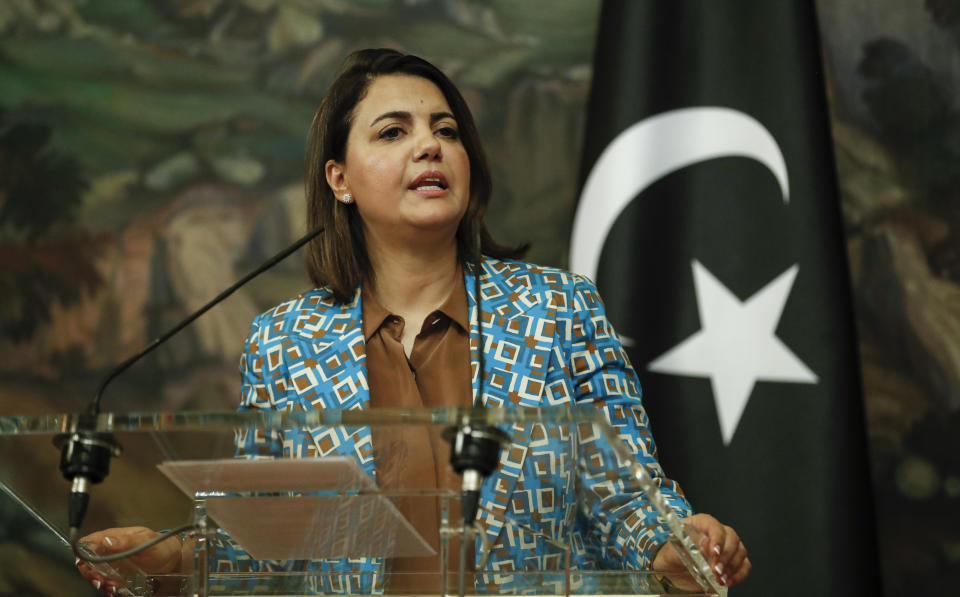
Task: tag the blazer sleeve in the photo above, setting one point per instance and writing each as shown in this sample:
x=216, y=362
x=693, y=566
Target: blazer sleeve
x=622, y=528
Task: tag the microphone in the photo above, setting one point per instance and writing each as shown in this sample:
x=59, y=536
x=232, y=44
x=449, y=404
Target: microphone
x=474, y=453
x=85, y=453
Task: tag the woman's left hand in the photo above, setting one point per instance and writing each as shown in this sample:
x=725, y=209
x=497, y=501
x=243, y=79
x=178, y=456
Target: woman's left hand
x=720, y=545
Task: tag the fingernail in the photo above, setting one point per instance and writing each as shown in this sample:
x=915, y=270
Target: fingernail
x=96, y=584
x=76, y=562
x=723, y=579
x=716, y=549
x=109, y=541
x=718, y=568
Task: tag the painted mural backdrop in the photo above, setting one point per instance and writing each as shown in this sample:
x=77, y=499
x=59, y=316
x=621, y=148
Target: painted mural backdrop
x=152, y=152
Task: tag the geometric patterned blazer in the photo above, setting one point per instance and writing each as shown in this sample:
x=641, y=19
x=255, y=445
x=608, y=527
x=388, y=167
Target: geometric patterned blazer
x=546, y=342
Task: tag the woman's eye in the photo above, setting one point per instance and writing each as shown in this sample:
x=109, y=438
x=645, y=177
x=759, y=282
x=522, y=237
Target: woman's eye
x=391, y=133
x=449, y=132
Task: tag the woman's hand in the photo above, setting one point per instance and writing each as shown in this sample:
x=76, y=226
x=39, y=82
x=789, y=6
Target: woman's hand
x=719, y=544
x=162, y=558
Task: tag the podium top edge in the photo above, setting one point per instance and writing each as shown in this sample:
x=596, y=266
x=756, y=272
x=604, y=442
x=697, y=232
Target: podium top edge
x=61, y=423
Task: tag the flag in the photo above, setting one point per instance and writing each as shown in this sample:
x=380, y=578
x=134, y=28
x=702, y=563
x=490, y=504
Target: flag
x=710, y=221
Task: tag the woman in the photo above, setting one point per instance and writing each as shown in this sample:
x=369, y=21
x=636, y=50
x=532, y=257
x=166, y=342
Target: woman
x=398, y=178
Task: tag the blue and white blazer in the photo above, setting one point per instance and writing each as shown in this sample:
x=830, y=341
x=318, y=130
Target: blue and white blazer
x=546, y=342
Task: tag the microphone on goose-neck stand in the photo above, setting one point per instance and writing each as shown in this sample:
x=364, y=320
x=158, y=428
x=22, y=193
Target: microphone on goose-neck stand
x=474, y=448
x=85, y=452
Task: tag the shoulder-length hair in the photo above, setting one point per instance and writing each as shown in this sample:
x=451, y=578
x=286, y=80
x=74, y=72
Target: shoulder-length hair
x=338, y=257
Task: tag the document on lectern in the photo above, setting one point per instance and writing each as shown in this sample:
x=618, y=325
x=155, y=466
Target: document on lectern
x=298, y=509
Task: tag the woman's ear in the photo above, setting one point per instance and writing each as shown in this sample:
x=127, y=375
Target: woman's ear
x=336, y=177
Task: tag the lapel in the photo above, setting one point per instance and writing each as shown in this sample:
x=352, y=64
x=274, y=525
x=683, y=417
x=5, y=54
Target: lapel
x=517, y=336
x=518, y=332
x=339, y=364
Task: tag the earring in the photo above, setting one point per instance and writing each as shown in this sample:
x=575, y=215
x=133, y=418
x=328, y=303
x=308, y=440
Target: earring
x=347, y=198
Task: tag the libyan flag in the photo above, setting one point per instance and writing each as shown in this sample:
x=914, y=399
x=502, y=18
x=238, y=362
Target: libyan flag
x=709, y=218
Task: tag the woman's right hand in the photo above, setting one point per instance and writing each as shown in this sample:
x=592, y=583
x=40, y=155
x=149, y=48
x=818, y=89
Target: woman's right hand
x=162, y=558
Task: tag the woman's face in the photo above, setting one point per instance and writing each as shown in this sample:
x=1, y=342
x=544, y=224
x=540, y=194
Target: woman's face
x=405, y=166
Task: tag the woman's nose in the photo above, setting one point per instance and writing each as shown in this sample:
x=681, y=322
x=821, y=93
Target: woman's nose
x=427, y=147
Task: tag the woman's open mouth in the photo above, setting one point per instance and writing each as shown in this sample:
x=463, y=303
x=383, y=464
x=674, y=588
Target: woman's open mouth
x=430, y=181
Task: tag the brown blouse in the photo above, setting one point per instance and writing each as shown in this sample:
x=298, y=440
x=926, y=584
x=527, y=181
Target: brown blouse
x=437, y=373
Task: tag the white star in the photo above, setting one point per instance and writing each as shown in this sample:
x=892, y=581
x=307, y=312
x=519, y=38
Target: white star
x=736, y=345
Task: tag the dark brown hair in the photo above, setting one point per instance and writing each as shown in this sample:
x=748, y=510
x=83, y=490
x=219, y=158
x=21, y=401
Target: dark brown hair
x=338, y=257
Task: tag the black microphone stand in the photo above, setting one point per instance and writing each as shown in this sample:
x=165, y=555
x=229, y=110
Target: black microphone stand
x=85, y=452
x=474, y=449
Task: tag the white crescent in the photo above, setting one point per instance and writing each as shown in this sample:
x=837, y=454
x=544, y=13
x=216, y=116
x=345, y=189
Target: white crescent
x=653, y=148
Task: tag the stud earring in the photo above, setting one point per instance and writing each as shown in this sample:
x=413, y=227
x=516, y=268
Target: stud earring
x=347, y=198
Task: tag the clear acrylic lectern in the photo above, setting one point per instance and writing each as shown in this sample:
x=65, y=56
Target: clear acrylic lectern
x=352, y=502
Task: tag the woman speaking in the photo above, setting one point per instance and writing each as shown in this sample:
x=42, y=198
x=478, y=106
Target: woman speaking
x=397, y=177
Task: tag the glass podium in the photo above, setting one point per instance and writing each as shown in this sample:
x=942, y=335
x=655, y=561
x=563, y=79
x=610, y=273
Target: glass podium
x=363, y=502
